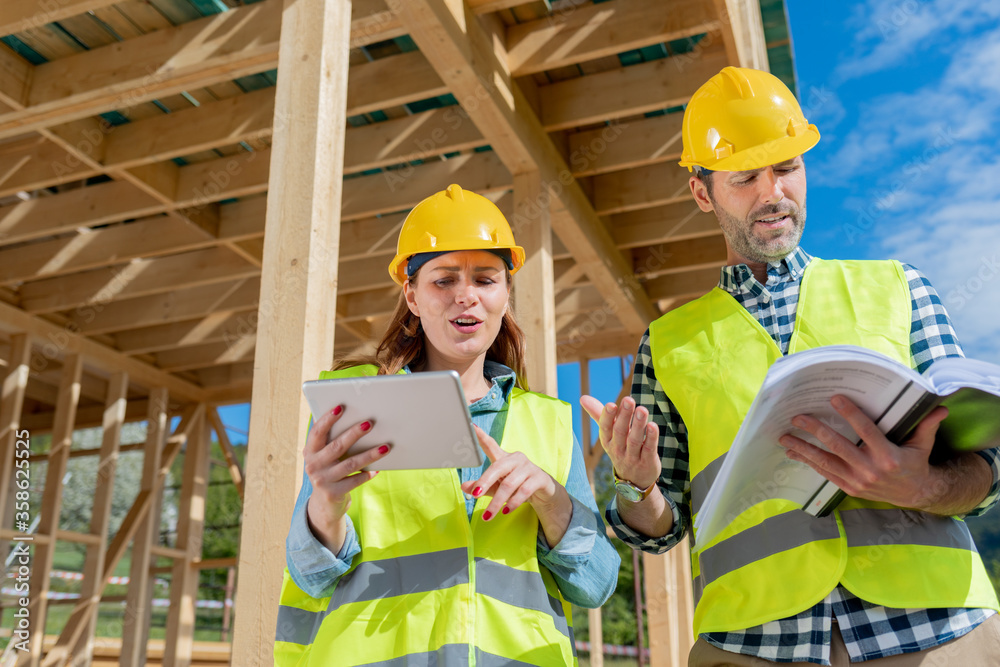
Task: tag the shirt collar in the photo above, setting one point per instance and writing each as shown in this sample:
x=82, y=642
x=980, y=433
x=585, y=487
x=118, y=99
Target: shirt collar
x=739, y=278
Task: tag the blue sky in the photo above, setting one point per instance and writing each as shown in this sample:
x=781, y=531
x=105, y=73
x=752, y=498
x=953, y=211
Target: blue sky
x=906, y=95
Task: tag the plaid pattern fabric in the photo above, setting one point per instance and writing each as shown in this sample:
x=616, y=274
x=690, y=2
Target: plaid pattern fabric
x=869, y=631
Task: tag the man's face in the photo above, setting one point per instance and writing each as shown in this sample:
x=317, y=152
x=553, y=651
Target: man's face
x=762, y=212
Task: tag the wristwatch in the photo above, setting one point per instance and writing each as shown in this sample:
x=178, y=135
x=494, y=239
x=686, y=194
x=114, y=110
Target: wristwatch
x=629, y=491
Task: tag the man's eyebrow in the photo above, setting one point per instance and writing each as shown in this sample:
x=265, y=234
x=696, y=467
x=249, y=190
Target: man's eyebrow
x=760, y=169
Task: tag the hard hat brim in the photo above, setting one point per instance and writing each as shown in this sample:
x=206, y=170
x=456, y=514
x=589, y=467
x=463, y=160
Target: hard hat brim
x=757, y=157
x=397, y=268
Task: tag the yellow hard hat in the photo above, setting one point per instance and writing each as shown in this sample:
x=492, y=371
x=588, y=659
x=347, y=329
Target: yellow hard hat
x=743, y=119
x=454, y=219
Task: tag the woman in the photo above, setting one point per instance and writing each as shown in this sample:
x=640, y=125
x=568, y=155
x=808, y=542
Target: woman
x=402, y=568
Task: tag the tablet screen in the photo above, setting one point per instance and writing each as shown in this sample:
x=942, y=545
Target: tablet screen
x=423, y=416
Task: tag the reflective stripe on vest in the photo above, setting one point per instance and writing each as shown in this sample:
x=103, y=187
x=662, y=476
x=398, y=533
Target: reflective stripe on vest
x=773, y=560
x=429, y=587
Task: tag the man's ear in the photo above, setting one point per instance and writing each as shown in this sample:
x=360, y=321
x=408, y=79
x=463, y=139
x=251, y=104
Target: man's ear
x=700, y=194
x=411, y=298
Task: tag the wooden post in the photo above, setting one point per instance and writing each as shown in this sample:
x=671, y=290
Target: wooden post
x=669, y=606
x=227, y=449
x=534, y=304
x=11, y=403
x=134, y=633
x=592, y=454
x=76, y=640
x=227, y=603
x=62, y=438
x=297, y=299
x=190, y=524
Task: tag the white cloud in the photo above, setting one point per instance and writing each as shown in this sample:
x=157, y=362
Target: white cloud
x=887, y=33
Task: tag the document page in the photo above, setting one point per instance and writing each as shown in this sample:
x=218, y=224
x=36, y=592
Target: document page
x=756, y=468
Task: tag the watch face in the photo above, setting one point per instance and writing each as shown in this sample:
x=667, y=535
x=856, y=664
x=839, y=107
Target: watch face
x=628, y=491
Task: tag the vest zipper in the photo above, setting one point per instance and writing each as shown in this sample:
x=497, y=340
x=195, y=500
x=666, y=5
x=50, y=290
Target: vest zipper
x=471, y=558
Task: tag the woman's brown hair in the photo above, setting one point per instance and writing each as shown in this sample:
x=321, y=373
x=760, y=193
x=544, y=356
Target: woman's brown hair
x=403, y=344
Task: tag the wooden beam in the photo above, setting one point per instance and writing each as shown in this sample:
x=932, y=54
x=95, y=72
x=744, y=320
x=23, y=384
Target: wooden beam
x=641, y=187
x=48, y=524
x=600, y=30
x=76, y=639
x=621, y=145
x=688, y=284
x=679, y=256
x=36, y=163
x=533, y=302
x=644, y=227
x=235, y=472
x=589, y=343
x=466, y=58
x=174, y=306
x=742, y=31
x=194, y=55
x=21, y=15
x=138, y=278
x=91, y=249
x=299, y=274
x=11, y=403
x=211, y=354
x=487, y=6
x=214, y=327
x=190, y=526
x=66, y=341
x=372, y=21
x=669, y=605
x=628, y=91
x=15, y=76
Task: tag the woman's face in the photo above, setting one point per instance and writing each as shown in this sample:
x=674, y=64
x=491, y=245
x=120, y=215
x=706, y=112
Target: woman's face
x=460, y=298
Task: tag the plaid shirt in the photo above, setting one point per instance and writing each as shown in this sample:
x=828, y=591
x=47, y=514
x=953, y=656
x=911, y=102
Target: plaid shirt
x=869, y=631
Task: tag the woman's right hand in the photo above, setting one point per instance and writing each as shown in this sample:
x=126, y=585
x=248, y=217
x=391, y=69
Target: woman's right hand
x=333, y=477
x=629, y=438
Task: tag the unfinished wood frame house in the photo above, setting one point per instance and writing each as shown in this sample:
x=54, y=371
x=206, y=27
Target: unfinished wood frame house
x=199, y=199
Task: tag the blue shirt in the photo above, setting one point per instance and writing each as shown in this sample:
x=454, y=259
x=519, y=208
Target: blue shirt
x=870, y=631
x=584, y=563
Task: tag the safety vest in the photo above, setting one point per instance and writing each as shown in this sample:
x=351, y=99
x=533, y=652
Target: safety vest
x=432, y=587
x=774, y=560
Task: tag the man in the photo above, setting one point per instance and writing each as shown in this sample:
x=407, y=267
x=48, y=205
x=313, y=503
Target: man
x=873, y=581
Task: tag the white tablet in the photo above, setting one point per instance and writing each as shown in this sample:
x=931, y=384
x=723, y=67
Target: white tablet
x=423, y=416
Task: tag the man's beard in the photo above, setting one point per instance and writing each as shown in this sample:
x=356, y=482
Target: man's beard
x=762, y=247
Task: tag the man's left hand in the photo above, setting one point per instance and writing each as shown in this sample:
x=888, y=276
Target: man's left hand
x=878, y=469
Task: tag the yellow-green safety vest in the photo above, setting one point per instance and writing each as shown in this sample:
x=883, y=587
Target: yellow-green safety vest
x=774, y=560
x=432, y=588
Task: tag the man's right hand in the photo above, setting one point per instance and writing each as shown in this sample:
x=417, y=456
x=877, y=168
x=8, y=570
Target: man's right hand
x=628, y=437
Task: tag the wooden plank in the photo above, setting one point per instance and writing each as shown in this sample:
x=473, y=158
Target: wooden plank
x=372, y=21
x=72, y=343
x=20, y=15
x=139, y=278
x=742, y=32
x=669, y=607
x=487, y=6
x=174, y=306
x=659, y=224
x=679, y=256
x=143, y=520
x=214, y=327
x=190, y=525
x=622, y=145
x=581, y=342
x=465, y=55
x=640, y=187
x=37, y=163
x=686, y=284
x=628, y=91
x=15, y=383
x=235, y=472
x=300, y=272
x=211, y=354
x=534, y=292
x=39, y=217
x=158, y=235
x=76, y=639
x=48, y=524
x=15, y=77
x=243, y=41
x=597, y=31
x=221, y=123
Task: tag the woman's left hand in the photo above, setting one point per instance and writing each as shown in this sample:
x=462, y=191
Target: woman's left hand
x=512, y=479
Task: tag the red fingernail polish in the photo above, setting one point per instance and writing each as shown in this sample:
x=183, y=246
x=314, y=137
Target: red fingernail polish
x=383, y=449
x=365, y=426
x=476, y=491
x=337, y=410
x=506, y=510
x=487, y=516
